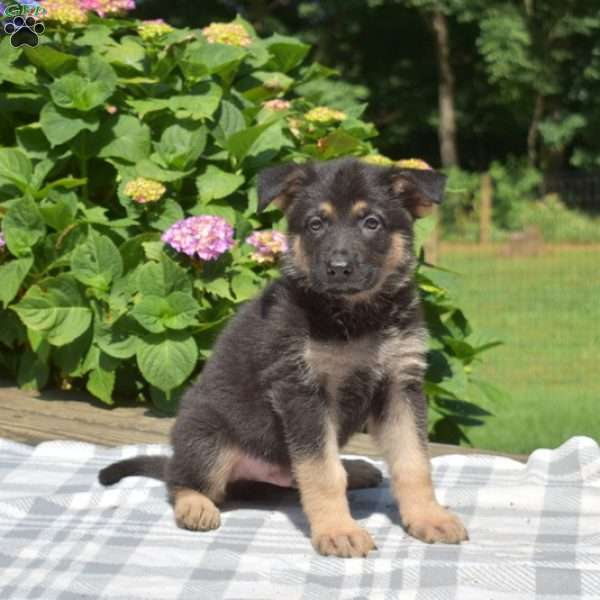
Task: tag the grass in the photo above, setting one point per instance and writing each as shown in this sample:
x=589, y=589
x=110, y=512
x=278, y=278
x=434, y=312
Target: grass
x=546, y=309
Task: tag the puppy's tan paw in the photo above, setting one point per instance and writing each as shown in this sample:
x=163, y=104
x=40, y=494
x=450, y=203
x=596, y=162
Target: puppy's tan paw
x=361, y=474
x=434, y=524
x=346, y=542
x=195, y=511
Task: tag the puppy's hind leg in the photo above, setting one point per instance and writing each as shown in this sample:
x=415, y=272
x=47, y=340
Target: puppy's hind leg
x=361, y=473
x=196, y=496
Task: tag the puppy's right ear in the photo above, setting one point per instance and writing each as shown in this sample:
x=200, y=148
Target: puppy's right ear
x=279, y=185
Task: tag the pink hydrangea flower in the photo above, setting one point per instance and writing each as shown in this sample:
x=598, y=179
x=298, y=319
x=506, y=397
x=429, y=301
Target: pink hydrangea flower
x=269, y=244
x=107, y=7
x=277, y=104
x=2, y=241
x=205, y=236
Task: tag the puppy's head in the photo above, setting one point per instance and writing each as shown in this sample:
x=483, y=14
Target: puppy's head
x=350, y=222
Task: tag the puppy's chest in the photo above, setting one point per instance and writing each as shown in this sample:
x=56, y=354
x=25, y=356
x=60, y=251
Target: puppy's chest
x=334, y=363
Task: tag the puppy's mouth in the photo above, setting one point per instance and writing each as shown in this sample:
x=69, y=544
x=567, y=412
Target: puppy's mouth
x=347, y=288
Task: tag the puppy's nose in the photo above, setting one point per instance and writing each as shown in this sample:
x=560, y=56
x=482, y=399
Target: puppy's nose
x=339, y=267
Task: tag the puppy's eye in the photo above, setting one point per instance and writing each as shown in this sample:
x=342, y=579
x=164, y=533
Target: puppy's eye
x=315, y=224
x=372, y=223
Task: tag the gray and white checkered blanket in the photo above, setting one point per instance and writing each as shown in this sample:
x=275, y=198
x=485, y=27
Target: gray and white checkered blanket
x=535, y=533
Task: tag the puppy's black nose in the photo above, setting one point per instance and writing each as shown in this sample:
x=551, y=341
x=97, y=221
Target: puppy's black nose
x=339, y=267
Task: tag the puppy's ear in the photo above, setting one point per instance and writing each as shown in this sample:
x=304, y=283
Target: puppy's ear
x=279, y=184
x=419, y=189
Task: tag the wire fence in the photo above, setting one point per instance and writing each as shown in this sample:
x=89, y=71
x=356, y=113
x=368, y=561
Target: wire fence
x=576, y=189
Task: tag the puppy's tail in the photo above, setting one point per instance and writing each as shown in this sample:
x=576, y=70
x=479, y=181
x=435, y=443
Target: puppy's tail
x=143, y=466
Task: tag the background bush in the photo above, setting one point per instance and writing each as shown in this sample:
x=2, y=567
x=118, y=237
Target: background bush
x=90, y=296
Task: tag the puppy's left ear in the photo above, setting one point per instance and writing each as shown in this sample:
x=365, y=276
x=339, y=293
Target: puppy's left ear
x=279, y=185
x=419, y=189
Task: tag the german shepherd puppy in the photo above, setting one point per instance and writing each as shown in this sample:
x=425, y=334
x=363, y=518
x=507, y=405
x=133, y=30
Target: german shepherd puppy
x=336, y=343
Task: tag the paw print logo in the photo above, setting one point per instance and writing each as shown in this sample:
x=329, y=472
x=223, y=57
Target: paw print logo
x=24, y=31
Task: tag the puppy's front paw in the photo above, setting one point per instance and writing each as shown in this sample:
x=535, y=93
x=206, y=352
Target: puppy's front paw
x=196, y=512
x=361, y=474
x=434, y=524
x=346, y=542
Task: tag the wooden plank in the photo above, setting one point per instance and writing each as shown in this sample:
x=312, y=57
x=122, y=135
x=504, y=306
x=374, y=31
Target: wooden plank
x=54, y=415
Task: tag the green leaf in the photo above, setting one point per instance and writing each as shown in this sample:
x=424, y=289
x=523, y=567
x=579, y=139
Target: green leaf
x=23, y=227
x=286, y=51
x=121, y=339
x=167, y=360
x=338, y=143
x=97, y=262
x=181, y=144
x=161, y=216
x=32, y=140
x=216, y=183
x=52, y=61
x=75, y=92
x=33, y=372
x=61, y=125
x=200, y=60
x=150, y=313
x=70, y=358
x=128, y=53
x=184, y=309
x=12, y=275
x=239, y=144
x=126, y=139
x=230, y=121
x=244, y=285
x=198, y=106
x=163, y=278
x=218, y=287
x=101, y=380
x=15, y=168
x=57, y=308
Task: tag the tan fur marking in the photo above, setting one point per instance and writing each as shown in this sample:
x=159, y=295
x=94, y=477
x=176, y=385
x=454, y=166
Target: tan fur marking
x=359, y=208
x=322, y=484
x=334, y=361
x=300, y=258
x=328, y=210
x=195, y=511
x=393, y=259
x=220, y=473
x=410, y=471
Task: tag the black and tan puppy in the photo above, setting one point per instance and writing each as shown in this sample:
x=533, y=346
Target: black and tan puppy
x=336, y=343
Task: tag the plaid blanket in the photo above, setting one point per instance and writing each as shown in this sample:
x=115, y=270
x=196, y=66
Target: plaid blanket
x=535, y=532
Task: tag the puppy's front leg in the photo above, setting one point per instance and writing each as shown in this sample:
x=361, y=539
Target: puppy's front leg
x=401, y=434
x=322, y=479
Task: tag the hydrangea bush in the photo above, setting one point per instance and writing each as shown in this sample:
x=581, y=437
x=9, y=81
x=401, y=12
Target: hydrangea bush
x=128, y=202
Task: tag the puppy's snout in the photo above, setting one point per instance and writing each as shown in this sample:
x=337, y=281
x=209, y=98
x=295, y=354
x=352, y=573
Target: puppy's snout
x=339, y=267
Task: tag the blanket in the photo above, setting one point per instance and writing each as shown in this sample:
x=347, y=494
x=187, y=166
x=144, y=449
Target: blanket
x=534, y=528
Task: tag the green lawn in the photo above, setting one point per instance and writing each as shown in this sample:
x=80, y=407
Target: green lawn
x=547, y=311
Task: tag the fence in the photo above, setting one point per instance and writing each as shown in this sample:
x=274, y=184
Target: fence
x=576, y=189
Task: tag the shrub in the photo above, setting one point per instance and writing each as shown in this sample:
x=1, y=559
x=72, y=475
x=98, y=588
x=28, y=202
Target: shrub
x=557, y=223
x=128, y=199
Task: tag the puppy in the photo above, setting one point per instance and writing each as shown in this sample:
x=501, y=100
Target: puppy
x=336, y=343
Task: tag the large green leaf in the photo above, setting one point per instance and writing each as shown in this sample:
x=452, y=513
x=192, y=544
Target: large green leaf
x=199, y=60
x=61, y=125
x=101, y=380
x=167, y=360
x=33, y=371
x=239, y=143
x=15, y=168
x=97, y=262
x=181, y=144
x=163, y=278
x=75, y=92
x=126, y=139
x=12, y=275
x=287, y=51
x=23, y=227
x=49, y=59
x=57, y=308
x=216, y=183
